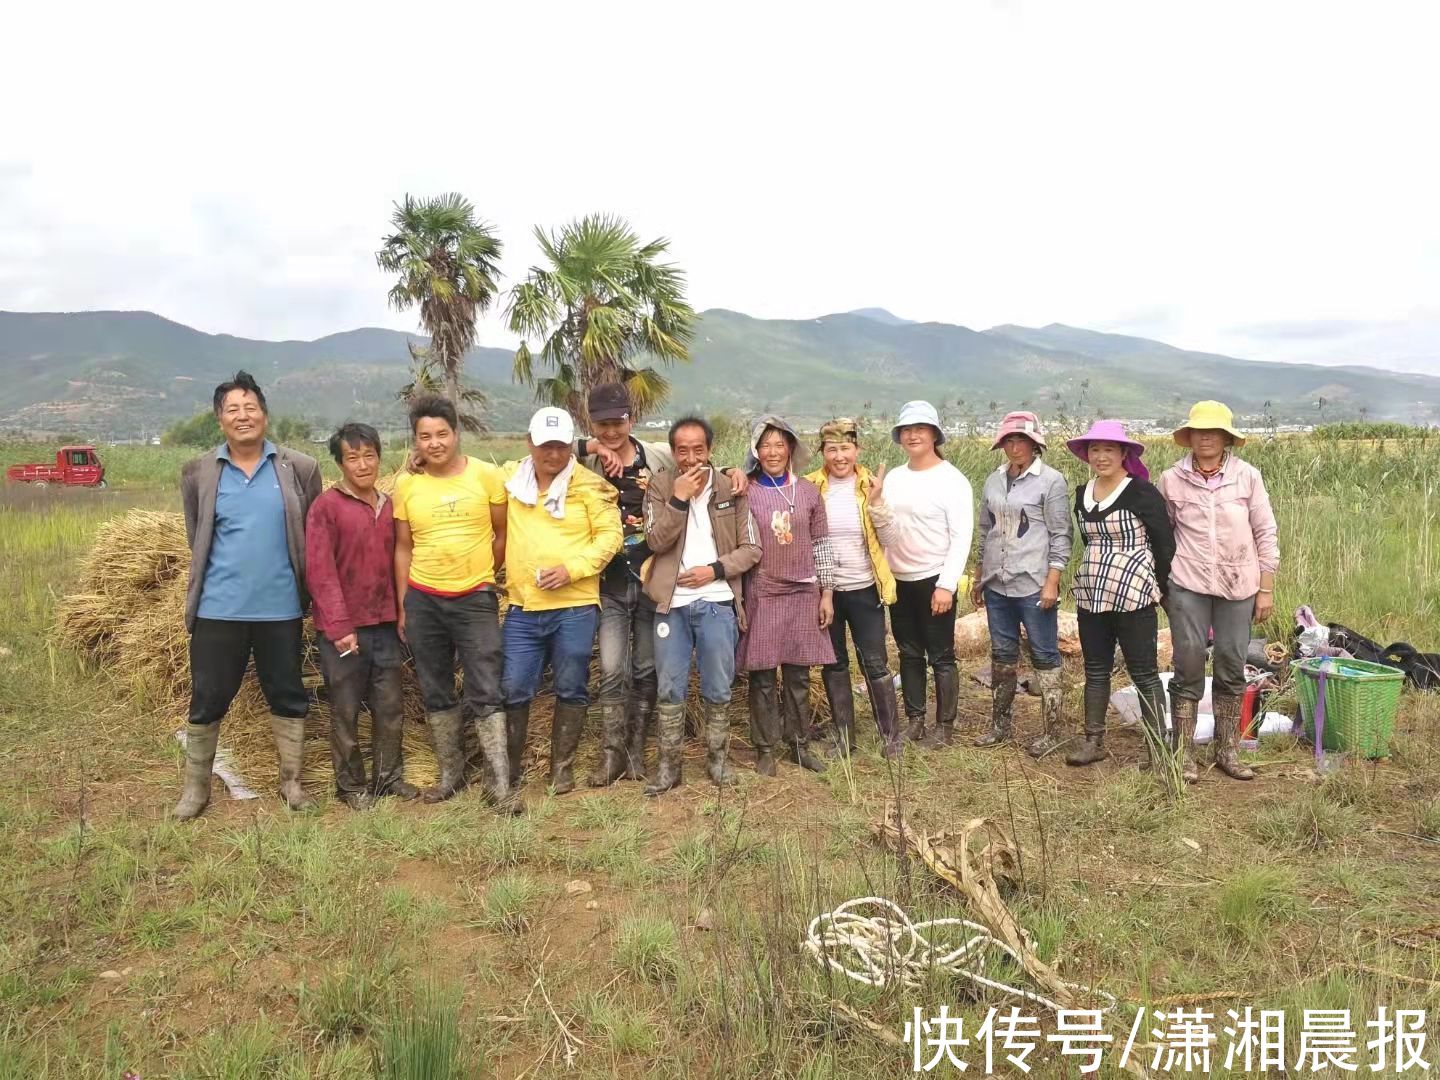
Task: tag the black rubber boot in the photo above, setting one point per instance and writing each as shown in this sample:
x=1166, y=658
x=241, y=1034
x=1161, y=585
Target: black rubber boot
x=639, y=720
x=885, y=709
x=614, y=753
x=517, y=730
x=1097, y=700
x=387, y=766
x=947, y=705
x=765, y=730
x=565, y=731
x=1002, y=701
x=795, y=681
x=448, y=736
x=842, y=712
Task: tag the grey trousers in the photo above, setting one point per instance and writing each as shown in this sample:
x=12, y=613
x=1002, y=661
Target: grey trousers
x=1192, y=616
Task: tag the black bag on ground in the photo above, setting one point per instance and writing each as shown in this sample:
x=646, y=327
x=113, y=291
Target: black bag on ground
x=1358, y=645
x=1422, y=670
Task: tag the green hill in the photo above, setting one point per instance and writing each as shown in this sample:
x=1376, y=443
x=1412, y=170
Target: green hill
x=115, y=374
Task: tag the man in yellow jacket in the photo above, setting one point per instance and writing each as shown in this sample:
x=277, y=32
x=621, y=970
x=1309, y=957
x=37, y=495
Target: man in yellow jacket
x=562, y=529
x=864, y=585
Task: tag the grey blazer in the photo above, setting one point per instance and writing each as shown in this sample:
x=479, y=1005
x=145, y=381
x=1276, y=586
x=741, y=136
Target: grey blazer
x=300, y=485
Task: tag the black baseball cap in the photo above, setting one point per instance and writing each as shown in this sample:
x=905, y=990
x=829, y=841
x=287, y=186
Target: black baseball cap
x=609, y=401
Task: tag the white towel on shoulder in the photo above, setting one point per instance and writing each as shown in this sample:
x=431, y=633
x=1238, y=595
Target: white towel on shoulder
x=525, y=487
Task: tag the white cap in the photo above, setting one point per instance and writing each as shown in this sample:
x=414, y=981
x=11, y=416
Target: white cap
x=918, y=412
x=552, y=425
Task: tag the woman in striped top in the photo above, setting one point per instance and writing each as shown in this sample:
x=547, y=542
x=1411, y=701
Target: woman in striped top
x=1123, y=575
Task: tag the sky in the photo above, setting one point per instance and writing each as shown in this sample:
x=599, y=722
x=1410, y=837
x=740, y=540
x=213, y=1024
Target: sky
x=1258, y=179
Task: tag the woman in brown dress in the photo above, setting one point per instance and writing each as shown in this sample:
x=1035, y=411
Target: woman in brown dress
x=788, y=596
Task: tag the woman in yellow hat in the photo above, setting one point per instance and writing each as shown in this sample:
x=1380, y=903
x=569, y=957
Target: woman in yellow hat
x=1222, y=578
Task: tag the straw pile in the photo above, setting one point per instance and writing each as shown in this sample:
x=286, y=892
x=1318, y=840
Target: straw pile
x=129, y=616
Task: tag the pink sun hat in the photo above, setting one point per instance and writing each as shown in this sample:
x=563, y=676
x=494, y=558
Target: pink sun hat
x=1111, y=431
x=1020, y=423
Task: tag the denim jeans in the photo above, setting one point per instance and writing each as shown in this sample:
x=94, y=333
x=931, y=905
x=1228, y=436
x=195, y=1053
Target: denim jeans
x=627, y=642
x=1006, y=614
x=219, y=651
x=709, y=631
x=564, y=637
x=862, y=611
x=437, y=629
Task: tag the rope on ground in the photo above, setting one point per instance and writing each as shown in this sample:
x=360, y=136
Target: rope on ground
x=873, y=941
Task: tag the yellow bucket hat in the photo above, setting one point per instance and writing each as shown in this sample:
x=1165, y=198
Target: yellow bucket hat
x=1211, y=415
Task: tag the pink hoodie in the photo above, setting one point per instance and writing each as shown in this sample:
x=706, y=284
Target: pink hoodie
x=1225, y=535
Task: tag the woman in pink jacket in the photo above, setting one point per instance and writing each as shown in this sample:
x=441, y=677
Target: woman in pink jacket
x=1223, y=576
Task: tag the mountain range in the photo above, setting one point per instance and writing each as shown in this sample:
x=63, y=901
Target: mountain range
x=122, y=374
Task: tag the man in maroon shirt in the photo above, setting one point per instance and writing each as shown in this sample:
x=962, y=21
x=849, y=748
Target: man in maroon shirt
x=350, y=570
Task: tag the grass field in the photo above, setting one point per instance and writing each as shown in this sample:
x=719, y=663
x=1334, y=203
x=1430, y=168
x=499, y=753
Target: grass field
x=445, y=942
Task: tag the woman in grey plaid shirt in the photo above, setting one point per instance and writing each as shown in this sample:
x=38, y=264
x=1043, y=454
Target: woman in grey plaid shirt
x=1123, y=575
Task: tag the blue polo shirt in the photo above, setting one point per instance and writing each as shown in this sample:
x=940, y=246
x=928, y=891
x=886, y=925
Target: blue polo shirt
x=249, y=577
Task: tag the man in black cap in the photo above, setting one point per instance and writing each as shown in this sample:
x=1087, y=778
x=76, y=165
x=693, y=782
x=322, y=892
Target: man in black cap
x=627, y=616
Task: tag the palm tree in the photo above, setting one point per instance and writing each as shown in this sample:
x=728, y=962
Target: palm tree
x=469, y=406
x=600, y=304
x=446, y=261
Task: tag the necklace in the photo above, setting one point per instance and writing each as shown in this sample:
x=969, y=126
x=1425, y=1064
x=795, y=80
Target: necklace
x=773, y=482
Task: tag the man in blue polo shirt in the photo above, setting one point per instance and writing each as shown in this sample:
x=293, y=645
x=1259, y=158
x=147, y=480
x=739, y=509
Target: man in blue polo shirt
x=245, y=506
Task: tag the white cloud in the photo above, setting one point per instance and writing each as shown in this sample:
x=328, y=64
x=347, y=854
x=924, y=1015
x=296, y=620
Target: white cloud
x=1132, y=166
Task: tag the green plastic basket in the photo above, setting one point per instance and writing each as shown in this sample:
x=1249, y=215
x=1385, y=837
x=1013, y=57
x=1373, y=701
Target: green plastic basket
x=1360, y=703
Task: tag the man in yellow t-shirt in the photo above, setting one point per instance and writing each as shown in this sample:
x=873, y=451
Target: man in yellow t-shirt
x=450, y=527
x=563, y=528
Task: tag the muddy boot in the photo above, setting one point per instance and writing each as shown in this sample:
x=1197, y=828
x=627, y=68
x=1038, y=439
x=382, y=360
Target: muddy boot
x=884, y=708
x=795, y=684
x=1227, y=734
x=200, y=743
x=717, y=743
x=1093, y=748
x=1002, y=701
x=842, y=712
x=356, y=800
x=1052, y=701
x=764, y=720
x=564, y=738
x=517, y=728
x=448, y=735
x=670, y=720
x=387, y=766
x=947, y=704
x=1182, y=714
x=490, y=730
x=290, y=751
x=613, y=750
x=638, y=721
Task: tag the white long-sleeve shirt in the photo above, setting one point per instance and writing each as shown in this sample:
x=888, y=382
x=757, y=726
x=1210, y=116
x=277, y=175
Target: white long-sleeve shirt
x=932, y=516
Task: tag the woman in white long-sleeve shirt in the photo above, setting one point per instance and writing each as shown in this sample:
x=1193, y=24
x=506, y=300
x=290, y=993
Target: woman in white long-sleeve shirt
x=932, y=514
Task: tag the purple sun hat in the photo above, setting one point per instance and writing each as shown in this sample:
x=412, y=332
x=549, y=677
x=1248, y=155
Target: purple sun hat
x=1111, y=431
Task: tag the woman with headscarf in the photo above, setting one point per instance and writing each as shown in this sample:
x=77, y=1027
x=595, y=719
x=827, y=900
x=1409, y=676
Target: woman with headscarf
x=930, y=504
x=863, y=586
x=1226, y=556
x=1025, y=538
x=1122, y=577
x=788, y=596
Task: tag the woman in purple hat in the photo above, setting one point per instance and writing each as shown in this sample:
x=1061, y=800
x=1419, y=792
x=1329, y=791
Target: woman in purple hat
x=1025, y=539
x=1123, y=575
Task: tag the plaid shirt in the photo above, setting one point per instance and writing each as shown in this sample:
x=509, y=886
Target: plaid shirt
x=1128, y=548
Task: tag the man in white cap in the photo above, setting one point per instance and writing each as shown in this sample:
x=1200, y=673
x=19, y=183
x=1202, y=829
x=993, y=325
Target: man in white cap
x=563, y=529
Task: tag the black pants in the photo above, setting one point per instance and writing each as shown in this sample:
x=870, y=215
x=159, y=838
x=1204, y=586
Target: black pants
x=437, y=629
x=370, y=677
x=920, y=637
x=1135, y=632
x=221, y=649
x=862, y=611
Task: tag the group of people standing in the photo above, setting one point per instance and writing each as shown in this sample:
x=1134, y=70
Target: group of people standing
x=682, y=567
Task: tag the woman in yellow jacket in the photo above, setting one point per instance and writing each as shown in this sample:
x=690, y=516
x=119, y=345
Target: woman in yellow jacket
x=863, y=585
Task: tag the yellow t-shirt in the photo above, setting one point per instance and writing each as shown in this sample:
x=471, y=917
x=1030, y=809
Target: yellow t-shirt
x=449, y=520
